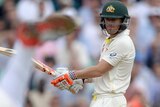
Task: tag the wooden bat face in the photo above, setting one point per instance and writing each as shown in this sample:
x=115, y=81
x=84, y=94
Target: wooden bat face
x=44, y=68
x=56, y=26
x=38, y=64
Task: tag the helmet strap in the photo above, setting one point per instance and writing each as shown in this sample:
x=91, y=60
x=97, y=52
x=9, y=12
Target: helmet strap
x=104, y=31
x=103, y=28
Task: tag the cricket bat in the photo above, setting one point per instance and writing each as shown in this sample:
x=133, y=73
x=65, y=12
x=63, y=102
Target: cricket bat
x=55, y=26
x=38, y=64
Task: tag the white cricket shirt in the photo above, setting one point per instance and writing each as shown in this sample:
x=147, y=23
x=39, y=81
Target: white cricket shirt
x=120, y=53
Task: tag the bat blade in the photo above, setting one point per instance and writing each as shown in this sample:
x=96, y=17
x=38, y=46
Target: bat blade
x=56, y=26
x=44, y=68
x=38, y=64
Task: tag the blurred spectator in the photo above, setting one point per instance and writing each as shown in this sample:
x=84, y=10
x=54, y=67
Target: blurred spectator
x=55, y=101
x=133, y=28
x=10, y=13
x=46, y=8
x=156, y=69
x=137, y=101
x=138, y=89
x=8, y=24
x=144, y=27
x=91, y=36
x=154, y=51
x=155, y=3
x=50, y=61
x=48, y=48
x=7, y=39
x=87, y=10
x=8, y=21
x=27, y=8
x=38, y=9
x=40, y=97
x=82, y=102
x=68, y=9
x=28, y=103
x=76, y=55
x=67, y=6
x=72, y=53
x=2, y=24
x=134, y=19
x=79, y=102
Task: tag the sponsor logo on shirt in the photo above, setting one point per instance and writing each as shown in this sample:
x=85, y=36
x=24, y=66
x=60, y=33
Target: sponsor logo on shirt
x=112, y=54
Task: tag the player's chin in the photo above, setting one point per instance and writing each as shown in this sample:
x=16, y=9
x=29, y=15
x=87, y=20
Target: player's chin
x=112, y=31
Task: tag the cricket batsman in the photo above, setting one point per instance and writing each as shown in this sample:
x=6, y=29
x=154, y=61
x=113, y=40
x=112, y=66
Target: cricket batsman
x=111, y=76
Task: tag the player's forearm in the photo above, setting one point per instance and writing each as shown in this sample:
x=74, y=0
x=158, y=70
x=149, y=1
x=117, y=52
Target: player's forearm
x=94, y=71
x=90, y=72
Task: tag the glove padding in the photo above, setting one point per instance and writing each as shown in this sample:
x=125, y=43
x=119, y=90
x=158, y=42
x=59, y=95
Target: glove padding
x=75, y=88
x=64, y=82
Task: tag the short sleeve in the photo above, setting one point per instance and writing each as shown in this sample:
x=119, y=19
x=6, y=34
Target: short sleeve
x=115, y=53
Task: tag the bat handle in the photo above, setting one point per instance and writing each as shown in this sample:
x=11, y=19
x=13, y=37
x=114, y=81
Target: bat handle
x=48, y=70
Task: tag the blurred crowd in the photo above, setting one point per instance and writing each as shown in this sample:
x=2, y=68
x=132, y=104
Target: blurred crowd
x=82, y=48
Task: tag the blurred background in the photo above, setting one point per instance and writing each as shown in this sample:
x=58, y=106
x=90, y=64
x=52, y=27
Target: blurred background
x=82, y=48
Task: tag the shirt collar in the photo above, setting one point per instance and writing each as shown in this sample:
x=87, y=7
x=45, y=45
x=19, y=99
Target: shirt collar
x=125, y=32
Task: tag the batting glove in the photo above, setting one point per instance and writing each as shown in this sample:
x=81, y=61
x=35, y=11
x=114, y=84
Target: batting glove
x=65, y=81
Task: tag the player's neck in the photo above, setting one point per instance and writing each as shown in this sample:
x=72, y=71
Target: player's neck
x=112, y=36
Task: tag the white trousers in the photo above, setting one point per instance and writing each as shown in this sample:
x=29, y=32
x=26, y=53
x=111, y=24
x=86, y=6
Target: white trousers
x=108, y=100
